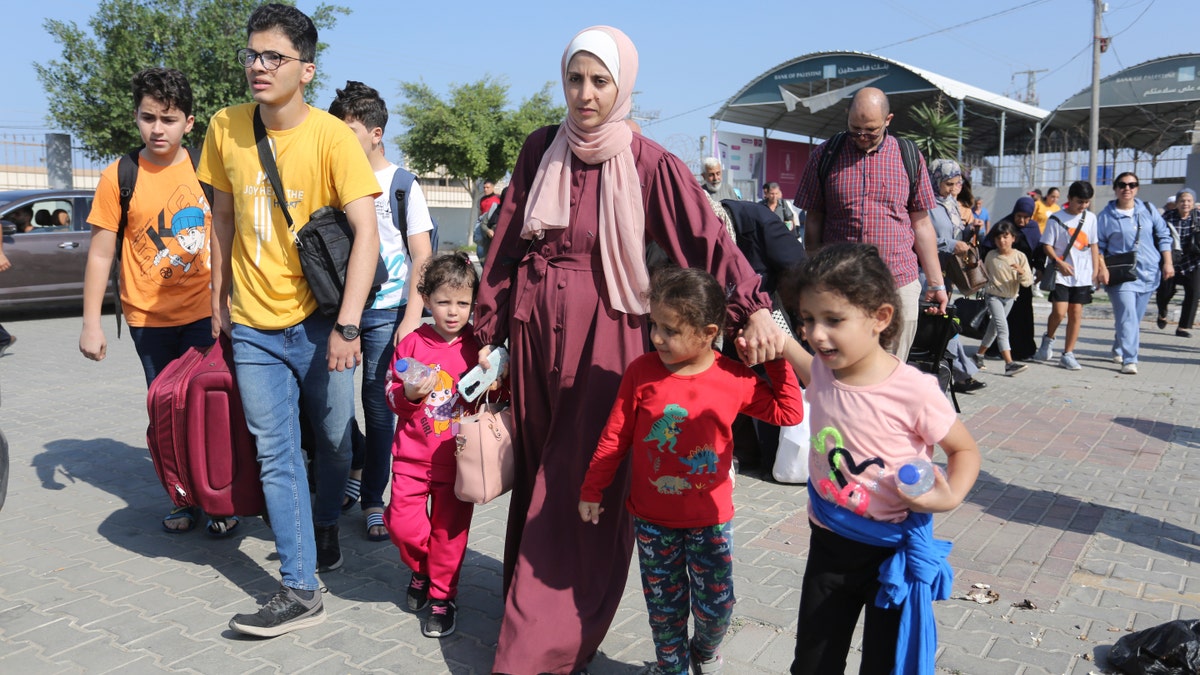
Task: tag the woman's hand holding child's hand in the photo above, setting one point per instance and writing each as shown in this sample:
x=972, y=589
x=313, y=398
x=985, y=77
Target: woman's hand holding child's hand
x=590, y=512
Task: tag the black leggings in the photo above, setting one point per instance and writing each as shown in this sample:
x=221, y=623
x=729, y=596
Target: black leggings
x=841, y=577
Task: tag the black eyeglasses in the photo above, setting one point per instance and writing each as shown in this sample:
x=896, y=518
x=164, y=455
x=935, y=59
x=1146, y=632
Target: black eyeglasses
x=270, y=60
x=1125, y=186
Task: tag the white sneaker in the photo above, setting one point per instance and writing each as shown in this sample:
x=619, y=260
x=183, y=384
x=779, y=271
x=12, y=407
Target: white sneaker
x=1068, y=361
x=1117, y=358
x=1129, y=369
x=1046, y=351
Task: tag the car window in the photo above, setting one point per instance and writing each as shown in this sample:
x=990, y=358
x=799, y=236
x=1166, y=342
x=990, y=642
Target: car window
x=43, y=215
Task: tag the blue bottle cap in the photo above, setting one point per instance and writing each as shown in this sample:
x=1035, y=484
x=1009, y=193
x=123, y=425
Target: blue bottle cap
x=401, y=365
x=909, y=474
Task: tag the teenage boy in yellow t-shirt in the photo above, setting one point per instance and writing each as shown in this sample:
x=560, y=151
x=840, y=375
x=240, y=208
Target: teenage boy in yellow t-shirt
x=164, y=249
x=282, y=346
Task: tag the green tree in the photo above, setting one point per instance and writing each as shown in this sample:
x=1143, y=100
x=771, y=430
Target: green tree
x=472, y=132
x=935, y=132
x=87, y=88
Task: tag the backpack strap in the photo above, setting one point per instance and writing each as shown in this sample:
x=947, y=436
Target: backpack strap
x=910, y=155
x=398, y=196
x=829, y=153
x=127, y=174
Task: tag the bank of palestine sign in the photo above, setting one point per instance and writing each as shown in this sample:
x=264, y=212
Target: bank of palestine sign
x=1170, y=80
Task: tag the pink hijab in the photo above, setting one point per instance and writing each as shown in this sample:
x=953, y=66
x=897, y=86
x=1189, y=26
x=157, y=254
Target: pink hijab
x=622, y=216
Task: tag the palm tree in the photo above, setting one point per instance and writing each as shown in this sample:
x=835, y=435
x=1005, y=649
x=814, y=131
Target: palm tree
x=936, y=132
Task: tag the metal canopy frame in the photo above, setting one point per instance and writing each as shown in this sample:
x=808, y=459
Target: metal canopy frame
x=810, y=96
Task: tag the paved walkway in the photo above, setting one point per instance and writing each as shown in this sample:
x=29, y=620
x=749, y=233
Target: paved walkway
x=1087, y=507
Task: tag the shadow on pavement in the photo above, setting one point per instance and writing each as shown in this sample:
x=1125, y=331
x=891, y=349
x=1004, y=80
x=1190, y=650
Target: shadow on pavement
x=1042, y=508
x=127, y=473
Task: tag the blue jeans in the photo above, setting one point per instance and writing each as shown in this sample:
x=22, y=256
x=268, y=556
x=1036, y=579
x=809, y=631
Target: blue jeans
x=1129, y=307
x=158, y=346
x=273, y=367
x=378, y=328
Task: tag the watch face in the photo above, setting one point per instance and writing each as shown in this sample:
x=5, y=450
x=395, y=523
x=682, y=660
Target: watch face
x=349, y=331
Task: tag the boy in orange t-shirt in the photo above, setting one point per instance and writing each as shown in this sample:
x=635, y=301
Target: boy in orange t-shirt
x=164, y=267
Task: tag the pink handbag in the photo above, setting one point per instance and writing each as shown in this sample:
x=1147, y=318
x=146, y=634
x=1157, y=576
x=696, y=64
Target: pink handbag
x=484, y=454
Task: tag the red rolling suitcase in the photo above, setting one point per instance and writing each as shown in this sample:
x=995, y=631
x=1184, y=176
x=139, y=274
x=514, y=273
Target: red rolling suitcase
x=202, y=450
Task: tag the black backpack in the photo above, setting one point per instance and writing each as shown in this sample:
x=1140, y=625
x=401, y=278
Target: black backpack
x=127, y=174
x=909, y=154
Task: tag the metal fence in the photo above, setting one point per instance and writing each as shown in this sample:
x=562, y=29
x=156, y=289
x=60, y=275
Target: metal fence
x=1062, y=168
x=23, y=163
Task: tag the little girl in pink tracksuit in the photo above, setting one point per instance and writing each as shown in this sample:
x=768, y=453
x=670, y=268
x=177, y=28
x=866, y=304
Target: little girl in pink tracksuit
x=424, y=519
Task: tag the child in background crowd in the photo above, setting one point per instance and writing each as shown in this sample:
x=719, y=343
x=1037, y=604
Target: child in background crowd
x=424, y=519
x=871, y=544
x=1007, y=270
x=674, y=412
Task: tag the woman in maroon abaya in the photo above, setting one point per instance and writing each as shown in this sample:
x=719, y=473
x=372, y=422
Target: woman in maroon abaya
x=564, y=283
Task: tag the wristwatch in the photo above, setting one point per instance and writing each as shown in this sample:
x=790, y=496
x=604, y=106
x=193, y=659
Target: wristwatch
x=348, y=332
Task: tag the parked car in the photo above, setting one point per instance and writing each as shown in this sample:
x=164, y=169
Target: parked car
x=46, y=239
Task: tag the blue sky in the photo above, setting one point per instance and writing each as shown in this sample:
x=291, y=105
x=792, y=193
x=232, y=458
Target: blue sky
x=693, y=55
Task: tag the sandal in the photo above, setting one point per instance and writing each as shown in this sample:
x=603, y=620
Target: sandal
x=220, y=528
x=350, y=497
x=374, y=520
x=180, y=513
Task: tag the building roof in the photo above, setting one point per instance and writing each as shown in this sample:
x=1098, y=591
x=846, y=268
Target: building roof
x=810, y=96
x=1148, y=107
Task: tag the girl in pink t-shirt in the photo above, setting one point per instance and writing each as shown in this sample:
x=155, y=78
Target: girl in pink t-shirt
x=871, y=414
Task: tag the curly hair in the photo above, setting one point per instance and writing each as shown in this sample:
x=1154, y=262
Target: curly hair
x=857, y=273
x=450, y=269
x=693, y=294
x=165, y=85
x=287, y=20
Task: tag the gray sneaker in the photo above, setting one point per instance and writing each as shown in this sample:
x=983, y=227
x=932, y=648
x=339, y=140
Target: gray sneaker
x=710, y=666
x=1046, y=351
x=978, y=359
x=284, y=612
x=1068, y=361
x=1014, y=368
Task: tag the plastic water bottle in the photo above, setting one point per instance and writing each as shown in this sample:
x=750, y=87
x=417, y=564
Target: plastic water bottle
x=411, y=371
x=915, y=478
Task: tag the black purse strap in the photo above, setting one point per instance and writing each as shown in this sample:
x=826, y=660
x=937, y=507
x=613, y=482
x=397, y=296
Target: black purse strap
x=267, y=158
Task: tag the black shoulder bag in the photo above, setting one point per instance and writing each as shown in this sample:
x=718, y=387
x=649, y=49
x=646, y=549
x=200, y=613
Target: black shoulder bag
x=323, y=244
x=1122, y=267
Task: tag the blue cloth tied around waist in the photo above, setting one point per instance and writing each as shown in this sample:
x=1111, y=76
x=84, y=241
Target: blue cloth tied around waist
x=910, y=580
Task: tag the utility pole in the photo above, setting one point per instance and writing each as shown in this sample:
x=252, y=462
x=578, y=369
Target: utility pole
x=1031, y=96
x=1094, y=127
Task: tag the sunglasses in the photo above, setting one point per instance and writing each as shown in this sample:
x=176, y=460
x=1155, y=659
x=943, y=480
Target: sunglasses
x=1126, y=186
x=865, y=135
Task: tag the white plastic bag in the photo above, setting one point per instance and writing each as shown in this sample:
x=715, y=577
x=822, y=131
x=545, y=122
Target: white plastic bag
x=791, y=459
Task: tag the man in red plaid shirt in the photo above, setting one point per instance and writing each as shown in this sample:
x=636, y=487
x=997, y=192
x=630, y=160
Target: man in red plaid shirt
x=866, y=198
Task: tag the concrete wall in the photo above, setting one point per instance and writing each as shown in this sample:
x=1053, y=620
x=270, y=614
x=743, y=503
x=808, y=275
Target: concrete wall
x=455, y=226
